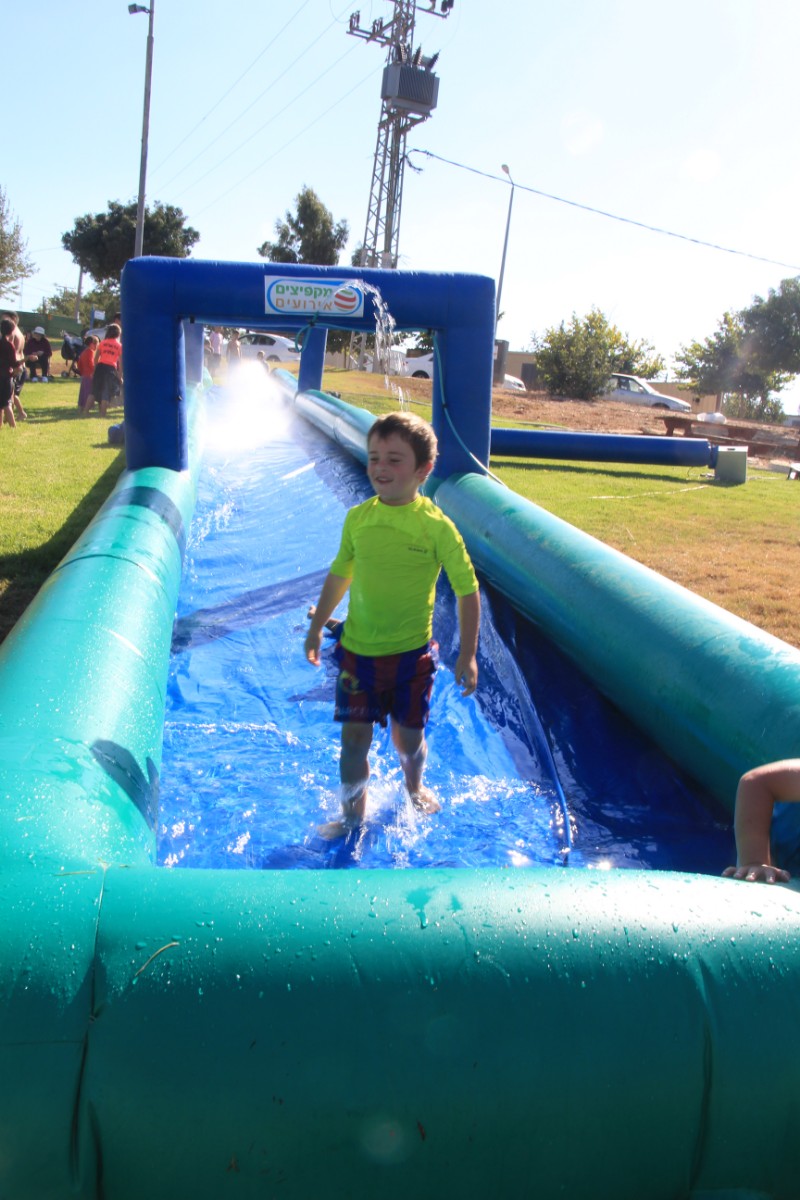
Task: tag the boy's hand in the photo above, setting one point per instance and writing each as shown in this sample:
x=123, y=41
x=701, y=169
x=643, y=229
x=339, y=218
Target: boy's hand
x=467, y=673
x=313, y=645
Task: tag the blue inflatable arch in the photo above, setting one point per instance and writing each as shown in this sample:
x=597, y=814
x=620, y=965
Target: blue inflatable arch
x=161, y=297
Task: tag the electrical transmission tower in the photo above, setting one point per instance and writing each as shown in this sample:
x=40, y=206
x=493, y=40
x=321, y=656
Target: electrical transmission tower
x=409, y=92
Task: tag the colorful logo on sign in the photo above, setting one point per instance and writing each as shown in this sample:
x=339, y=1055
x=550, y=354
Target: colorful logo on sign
x=299, y=297
x=346, y=300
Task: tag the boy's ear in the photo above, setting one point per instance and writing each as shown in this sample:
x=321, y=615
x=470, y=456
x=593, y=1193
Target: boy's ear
x=424, y=470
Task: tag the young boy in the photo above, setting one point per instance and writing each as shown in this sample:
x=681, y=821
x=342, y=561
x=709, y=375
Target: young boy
x=107, y=377
x=9, y=365
x=756, y=796
x=85, y=368
x=20, y=375
x=392, y=549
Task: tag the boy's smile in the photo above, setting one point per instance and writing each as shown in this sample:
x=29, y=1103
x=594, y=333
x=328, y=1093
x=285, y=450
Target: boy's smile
x=392, y=470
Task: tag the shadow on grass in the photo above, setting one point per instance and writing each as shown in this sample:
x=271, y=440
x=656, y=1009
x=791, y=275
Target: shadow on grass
x=27, y=571
x=48, y=415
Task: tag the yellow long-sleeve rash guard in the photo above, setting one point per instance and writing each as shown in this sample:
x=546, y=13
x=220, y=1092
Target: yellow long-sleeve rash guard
x=392, y=555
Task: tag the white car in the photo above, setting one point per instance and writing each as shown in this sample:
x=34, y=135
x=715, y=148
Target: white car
x=419, y=367
x=274, y=347
x=633, y=390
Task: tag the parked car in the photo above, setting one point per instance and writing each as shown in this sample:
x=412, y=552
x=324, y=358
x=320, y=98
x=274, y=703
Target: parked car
x=420, y=366
x=274, y=347
x=512, y=384
x=395, y=366
x=633, y=390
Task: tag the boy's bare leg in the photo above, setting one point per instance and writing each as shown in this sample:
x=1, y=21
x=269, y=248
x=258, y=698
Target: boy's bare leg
x=354, y=776
x=413, y=751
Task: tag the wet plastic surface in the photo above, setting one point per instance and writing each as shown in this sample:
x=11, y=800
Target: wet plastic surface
x=250, y=763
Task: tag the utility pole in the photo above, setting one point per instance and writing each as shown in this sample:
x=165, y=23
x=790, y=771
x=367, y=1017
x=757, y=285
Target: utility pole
x=148, y=74
x=409, y=92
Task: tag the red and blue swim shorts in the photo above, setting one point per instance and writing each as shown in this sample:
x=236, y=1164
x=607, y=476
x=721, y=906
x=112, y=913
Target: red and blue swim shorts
x=389, y=685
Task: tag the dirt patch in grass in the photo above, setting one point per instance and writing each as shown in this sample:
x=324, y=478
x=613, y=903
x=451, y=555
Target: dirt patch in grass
x=606, y=416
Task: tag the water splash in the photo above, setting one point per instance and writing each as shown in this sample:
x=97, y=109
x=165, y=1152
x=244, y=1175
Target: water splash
x=387, y=354
x=253, y=413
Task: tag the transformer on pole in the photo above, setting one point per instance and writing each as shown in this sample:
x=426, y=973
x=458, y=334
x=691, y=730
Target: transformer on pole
x=409, y=91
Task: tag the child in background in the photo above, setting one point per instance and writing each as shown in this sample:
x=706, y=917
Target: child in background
x=20, y=375
x=756, y=796
x=392, y=549
x=85, y=368
x=107, y=378
x=9, y=365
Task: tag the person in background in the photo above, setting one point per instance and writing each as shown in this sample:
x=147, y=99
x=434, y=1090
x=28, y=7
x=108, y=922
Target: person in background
x=85, y=369
x=234, y=352
x=38, y=353
x=107, y=378
x=215, y=344
x=18, y=340
x=758, y=792
x=392, y=550
x=9, y=364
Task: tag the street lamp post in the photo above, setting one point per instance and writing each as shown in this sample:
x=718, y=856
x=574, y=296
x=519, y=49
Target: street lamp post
x=148, y=71
x=505, y=248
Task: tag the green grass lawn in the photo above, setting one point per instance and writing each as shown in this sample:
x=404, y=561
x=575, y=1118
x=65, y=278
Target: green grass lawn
x=56, y=469
x=738, y=546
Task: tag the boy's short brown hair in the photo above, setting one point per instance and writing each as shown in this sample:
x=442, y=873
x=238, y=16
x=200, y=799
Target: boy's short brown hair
x=412, y=429
x=113, y=331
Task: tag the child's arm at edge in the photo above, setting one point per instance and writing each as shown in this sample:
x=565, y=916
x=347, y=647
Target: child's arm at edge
x=333, y=591
x=755, y=798
x=469, y=620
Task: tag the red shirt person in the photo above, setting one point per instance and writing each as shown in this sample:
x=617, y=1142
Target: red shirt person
x=107, y=379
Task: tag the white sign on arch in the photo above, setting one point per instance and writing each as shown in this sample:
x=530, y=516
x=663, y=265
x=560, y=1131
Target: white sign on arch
x=289, y=296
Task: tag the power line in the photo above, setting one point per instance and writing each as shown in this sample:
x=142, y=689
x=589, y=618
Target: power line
x=291, y=140
x=235, y=83
x=269, y=121
x=599, y=212
x=230, y=125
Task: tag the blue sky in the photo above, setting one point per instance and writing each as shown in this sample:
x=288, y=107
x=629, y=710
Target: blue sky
x=680, y=116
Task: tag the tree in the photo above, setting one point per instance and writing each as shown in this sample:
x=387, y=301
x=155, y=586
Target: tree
x=62, y=302
x=728, y=364
x=310, y=236
x=577, y=360
x=14, y=262
x=773, y=327
x=102, y=243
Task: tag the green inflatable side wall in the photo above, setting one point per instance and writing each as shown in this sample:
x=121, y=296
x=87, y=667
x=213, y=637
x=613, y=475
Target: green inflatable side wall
x=434, y=1033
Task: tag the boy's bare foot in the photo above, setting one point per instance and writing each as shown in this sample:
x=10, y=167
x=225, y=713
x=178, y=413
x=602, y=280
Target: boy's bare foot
x=332, y=830
x=425, y=801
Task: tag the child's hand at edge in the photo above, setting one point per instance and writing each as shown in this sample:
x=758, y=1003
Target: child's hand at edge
x=313, y=646
x=757, y=873
x=466, y=673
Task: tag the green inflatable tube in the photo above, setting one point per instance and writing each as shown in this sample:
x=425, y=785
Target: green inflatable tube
x=717, y=694
x=542, y=1033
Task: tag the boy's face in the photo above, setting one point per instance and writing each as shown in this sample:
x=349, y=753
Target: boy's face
x=393, y=471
